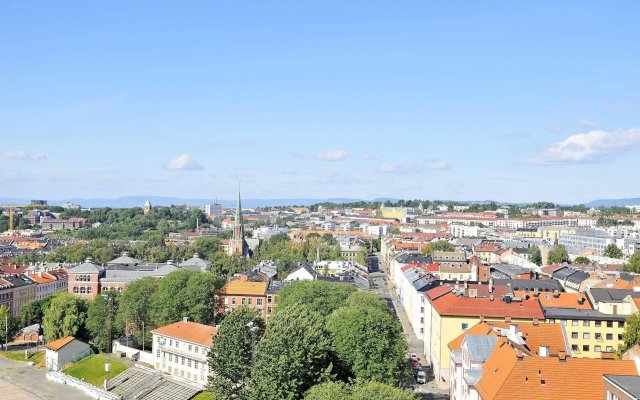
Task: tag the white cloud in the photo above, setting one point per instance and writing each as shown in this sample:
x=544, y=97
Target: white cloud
x=591, y=146
x=184, y=162
x=370, y=156
x=586, y=123
x=439, y=165
x=332, y=155
x=405, y=169
x=22, y=155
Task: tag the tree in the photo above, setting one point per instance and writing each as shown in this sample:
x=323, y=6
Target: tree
x=634, y=263
x=440, y=245
x=186, y=293
x=8, y=325
x=232, y=352
x=612, y=251
x=65, y=316
x=323, y=297
x=369, y=342
x=582, y=260
x=33, y=312
x=534, y=255
x=558, y=255
x=367, y=300
x=631, y=334
x=135, y=308
x=366, y=391
x=293, y=355
x=514, y=212
x=101, y=319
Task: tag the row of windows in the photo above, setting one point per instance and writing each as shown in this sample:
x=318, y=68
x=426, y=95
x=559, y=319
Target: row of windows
x=6, y=296
x=598, y=336
x=83, y=278
x=190, y=347
x=586, y=347
x=597, y=323
x=247, y=300
x=106, y=289
x=181, y=360
x=82, y=290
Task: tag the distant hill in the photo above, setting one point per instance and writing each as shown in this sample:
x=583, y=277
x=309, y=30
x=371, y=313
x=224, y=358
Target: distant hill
x=614, y=202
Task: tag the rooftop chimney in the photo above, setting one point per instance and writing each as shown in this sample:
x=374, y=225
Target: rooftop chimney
x=185, y=319
x=562, y=356
x=513, y=329
x=543, y=351
x=556, y=293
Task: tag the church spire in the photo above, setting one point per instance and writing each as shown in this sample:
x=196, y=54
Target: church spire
x=238, y=220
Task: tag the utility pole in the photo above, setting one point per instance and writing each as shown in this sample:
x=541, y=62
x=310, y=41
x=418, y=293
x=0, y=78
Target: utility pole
x=6, y=332
x=143, y=335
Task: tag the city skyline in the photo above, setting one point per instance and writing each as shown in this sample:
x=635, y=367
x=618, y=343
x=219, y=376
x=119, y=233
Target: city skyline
x=514, y=103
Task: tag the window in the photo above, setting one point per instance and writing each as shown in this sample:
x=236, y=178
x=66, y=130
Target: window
x=586, y=336
x=598, y=348
x=190, y=347
x=83, y=290
x=609, y=348
x=421, y=330
x=243, y=300
x=233, y=300
x=464, y=326
x=574, y=335
x=609, y=324
x=170, y=342
x=585, y=347
x=196, y=350
x=176, y=344
x=75, y=289
x=598, y=336
x=574, y=323
x=182, y=359
x=609, y=336
x=620, y=324
x=89, y=289
x=195, y=364
x=170, y=357
x=268, y=299
x=158, y=353
x=250, y=300
x=422, y=320
x=259, y=302
x=189, y=362
x=598, y=323
x=586, y=323
x=619, y=336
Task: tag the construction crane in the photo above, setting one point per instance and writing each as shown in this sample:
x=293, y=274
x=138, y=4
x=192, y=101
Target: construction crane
x=11, y=207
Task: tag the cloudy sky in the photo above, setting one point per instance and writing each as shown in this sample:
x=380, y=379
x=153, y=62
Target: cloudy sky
x=446, y=100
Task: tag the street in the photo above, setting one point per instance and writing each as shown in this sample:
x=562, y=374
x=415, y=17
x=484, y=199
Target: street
x=380, y=283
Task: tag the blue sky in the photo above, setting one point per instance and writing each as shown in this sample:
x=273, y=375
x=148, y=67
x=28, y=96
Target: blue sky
x=510, y=101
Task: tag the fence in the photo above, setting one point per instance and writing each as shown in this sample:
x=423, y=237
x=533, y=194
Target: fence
x=89, y=390
x=132, y=353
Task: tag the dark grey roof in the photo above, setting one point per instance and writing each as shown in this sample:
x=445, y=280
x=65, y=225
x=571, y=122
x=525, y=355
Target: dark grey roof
x=628, y=383
x=19, y=280
x=125, y=259
x=472, y=376
x=86, y=268
x=579, y=314
x=480, y=347
x=511, y=270
x=407, y=258
x=546, y=285
x=275, y=286
x=609, y=295
x=626, y=276
x=578, y=277
x=563, y=273
x=196, y=263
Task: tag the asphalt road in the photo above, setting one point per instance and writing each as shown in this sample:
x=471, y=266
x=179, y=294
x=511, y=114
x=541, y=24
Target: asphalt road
x=379, y=282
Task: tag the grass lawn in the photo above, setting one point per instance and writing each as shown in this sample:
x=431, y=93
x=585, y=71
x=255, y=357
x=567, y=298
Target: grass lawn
x=203, y=396
x=36, y=357
x=91, y=369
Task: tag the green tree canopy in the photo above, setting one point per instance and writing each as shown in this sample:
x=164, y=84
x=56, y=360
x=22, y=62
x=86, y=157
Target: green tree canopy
x=440, y=245
x=613, y=251
x=535, y=256
x=365, y=391
x=33, y=312
x=582, y=260
x=231, y=355
x=369, y=342
x=558, y=255
x=101, y=319
x=634, y=263
x=65, y=316
x=8, y=325
x=136, y=306
x=323, y=297
x=631, y=334
x=293, y=355
x=367, y=300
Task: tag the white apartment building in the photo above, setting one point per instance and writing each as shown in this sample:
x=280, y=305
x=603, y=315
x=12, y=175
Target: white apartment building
x=462, y=231
x=213, y=210
x=181, y=350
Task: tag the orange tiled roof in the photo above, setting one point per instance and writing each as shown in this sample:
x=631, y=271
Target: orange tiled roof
x=45, y=278
x=454, y=305
x=564, y=300
x=505, y=377
x=189, y=332
x=237, y=287
x=60, y=343
x=534, y=335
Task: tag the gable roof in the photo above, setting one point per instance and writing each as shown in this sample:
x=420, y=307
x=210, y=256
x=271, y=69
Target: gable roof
x=189, y=332
x=454, y=305
x=60, y=343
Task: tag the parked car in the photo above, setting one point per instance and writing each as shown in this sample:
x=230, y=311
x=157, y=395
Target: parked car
x=421, y=377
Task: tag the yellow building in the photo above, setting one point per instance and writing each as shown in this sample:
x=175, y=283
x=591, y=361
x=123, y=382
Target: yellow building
x=452, y=314
x=589, y=332
x=398, y=213
x=24, y=291
x=528, y=233
x=553, y=233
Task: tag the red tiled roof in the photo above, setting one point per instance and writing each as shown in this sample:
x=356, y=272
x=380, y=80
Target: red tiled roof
x=455, y=305
x=189, y=331
x=60, y=343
